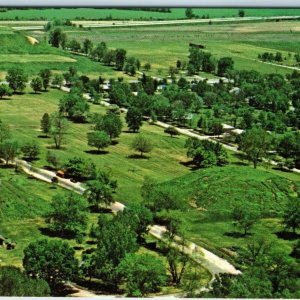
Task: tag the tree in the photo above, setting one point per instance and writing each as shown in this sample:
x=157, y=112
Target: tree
x=52, y=159
x=141, y=144
x=45, y=74
x=241, y=13
x=5, y=90
x=4, y=132
x=46, y=124
x=143, y=274
x=98, y=139
x=245, y=215
x=98, y=192
x=16, y=79
x=58, y=80
x=74, y=105
x=51, y=260
x=87, y=46
x=147, y=66
x=134, y=119
x=59, y=127
x=120, y=56
x=14, y=283
x=80, y=169
x=110, y=123
x=30, y=150
x=224, y=65
x=114, y=241
x=68, y=215
x=36, y=84
x=291, y=217
x=189, y=13
x=172, y=131
x=57, y=38
x=137, y=217
x=9, y=150
x=74, y=46
x=255, y=143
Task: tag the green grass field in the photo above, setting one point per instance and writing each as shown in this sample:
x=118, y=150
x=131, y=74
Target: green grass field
x=176, y=13
x=162, y=46
x=23, y=113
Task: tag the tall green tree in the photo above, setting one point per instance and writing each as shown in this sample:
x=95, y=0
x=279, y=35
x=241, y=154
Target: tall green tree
x=120, y=57
x=141, y=144
x=13, y=282
x=45, y=74
x=225, y=64
x=134, y=119
x=291, y=217
x=114, y=241
x=255, y=143
x=9, y=150
x=59, y=128
x=36, y=84
x=98, y=139
x=46, y=124
x=51, y=260
x=142, y=274
x=87, y=46
x=68, y=215
x=5, y=90
x=16, y=79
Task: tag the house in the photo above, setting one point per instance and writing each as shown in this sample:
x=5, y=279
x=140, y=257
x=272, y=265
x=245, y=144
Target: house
x=60, y=173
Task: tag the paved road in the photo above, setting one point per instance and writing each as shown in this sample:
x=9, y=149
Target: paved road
x=28, y=25
x=213, y=263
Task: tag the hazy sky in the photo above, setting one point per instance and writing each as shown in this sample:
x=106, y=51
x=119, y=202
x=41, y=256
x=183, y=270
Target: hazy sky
x=136, y=3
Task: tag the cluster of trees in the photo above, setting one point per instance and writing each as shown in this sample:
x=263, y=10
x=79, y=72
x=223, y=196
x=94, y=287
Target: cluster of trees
x=200, y=60
x=267, y=272
x=269, y=56
x=205, y=153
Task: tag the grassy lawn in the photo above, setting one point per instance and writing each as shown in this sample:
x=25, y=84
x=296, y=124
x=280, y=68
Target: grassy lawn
x=176, y=13
x=23, y=113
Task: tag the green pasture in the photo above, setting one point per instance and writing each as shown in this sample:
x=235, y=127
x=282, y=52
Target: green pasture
x=100, y=13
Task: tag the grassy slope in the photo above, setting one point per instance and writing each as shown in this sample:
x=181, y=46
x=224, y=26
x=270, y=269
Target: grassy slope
x=217, y=189
x=16, y=51
x=176, y=13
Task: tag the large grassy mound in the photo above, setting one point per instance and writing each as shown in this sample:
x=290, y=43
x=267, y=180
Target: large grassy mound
x=217, y=190
x=17, y=51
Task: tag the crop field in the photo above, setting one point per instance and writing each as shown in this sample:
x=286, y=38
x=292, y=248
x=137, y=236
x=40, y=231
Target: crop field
x=176, y=13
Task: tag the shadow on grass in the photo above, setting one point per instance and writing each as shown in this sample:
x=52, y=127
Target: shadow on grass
x=288, y=235
x=282, y=169
x=54, y=148
x=91, y=242
x=96, y=152
x=137, y=156
x=240, y=163
x=236, y=234
x=130, y=131
x=98, y=287
x=77, y=248
x=43, y=136
x=48, y=232
x=4, y=166
x=114, y=142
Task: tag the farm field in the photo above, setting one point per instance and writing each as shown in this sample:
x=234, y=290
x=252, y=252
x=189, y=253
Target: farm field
x=176, y=13
x=163, y=46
